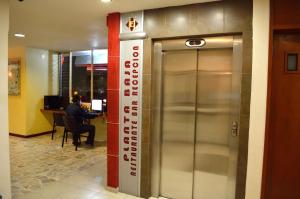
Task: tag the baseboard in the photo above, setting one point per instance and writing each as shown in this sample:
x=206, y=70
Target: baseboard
x=30, y=136
x=112, y=189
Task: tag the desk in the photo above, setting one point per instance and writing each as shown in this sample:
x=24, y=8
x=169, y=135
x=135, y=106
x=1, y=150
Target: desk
x=58, y=111
x=99, y=122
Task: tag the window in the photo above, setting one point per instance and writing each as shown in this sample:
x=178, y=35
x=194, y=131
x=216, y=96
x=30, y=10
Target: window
x=64, y=75
x=82, y=72
x=292, y=62
x=100, y=74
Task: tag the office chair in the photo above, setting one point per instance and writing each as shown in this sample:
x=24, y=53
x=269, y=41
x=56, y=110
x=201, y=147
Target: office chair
x=57, y=121
x=70, y=126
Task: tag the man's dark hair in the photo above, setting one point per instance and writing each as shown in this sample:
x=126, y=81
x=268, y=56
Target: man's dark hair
x=76, y=98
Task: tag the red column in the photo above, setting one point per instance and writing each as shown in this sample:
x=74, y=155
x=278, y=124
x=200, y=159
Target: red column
x=113, y=23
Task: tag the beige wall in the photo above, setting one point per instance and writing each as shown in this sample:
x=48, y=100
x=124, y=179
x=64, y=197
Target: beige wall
x=25, y=117
x=17, y=104
x=5, y=189
x=258, y=97
x=37, y=72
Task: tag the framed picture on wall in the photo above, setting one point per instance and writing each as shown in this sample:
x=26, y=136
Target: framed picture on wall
x=14, y=81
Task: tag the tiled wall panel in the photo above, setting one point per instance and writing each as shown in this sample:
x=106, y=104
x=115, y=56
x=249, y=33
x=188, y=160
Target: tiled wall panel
x=113, y=23
x=214, y=18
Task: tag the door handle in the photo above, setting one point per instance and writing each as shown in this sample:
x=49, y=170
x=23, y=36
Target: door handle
x=234, y=129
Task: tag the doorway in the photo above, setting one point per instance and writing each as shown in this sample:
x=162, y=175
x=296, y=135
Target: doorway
x=196, y=118
x=282, y=159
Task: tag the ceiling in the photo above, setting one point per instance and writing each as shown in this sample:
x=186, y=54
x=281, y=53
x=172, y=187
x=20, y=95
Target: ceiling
x=66, y=25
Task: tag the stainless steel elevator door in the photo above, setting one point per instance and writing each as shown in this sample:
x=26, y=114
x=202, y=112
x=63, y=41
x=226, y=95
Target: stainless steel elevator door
x=178, y=123
x=198, y=100
x=215, y=164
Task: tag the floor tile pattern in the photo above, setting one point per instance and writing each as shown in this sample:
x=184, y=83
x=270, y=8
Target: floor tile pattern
x=38, y=162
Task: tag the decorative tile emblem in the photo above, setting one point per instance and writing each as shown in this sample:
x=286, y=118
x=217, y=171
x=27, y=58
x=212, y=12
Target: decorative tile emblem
x=132, y=24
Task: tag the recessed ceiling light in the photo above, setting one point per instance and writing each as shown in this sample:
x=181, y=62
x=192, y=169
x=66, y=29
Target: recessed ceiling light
x=106, y=1
x=19, y=35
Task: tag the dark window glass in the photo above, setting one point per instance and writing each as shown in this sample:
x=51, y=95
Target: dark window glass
x=292, y=62
x=100, y=74
x=81, y=74
x=64, y=75
x=100, y=85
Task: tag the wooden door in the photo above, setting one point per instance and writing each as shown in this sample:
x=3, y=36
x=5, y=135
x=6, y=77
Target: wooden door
x=283, y=156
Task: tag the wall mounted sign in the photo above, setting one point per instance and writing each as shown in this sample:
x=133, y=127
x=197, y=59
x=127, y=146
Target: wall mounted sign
x=131, y=84
x=132, y=22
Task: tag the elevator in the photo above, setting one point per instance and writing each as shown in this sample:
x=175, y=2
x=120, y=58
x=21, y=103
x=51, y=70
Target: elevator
x=196, y=110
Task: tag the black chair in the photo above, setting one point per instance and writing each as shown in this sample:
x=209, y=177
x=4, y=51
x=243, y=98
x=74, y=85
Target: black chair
x=71, y=126
x=57, y=121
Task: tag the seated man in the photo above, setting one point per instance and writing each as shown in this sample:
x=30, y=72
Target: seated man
x=78, y=114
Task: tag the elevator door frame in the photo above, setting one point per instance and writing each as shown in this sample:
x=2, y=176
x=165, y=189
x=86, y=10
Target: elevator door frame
x=234, y=42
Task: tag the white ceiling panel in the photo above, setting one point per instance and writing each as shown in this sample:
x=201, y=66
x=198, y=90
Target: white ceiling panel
x=71, y=24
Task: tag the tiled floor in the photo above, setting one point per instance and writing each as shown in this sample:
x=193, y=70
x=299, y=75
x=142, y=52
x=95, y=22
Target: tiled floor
x=41, y=169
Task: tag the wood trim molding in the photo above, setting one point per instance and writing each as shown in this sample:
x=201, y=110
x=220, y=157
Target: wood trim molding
x=274, y=29
x=30, y=136
x=269, y=88
x=286, y=27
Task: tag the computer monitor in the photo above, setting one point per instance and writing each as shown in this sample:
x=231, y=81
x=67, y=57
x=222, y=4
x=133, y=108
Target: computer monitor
x=52, y=102
x=96, y=105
